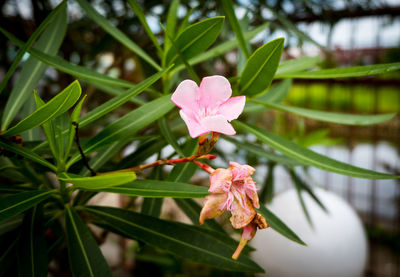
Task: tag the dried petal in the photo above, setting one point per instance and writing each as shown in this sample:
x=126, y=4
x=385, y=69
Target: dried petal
x=212, y=206
x=240, y=218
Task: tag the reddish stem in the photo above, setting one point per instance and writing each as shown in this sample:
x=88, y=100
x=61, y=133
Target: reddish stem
x=172, y=162
x=205, y=167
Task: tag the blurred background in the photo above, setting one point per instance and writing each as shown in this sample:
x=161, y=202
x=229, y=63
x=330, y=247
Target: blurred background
x=335, y=33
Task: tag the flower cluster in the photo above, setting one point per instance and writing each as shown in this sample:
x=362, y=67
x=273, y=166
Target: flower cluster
x=210, y=108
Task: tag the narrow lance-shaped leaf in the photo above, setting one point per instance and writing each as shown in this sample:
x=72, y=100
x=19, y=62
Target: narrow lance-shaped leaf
x=221, y=48
x=15, y=148
x=116, y=33
x=260, y=68
x=74, y=118
x=142, y=18
x=114, y=103
x=233, y=21
x=67, y=67
x=345, y=72
x=48, y=127
x=169, y=136
x=196, y=38
x=182, y=58
x=156, y=189
x=276, y=224
x=152, y=206
x=127, y=125
x=28, y=108
x=119, y=100
x=187, y=242
x=297, y=65
x=32, y=70
x=100, y=181
x=274, y=95
x=259, y=151
x=32, y=254
x=309, y=157
x=172, y=17
x=29, y=43
x=85, y=257
x=20, y=202
x=56, y=106
x=340, y=118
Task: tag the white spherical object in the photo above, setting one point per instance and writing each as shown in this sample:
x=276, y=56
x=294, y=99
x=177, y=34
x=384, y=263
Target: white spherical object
x=336, y=244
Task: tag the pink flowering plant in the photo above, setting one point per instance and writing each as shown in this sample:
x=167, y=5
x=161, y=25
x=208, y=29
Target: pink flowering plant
x=169, y=118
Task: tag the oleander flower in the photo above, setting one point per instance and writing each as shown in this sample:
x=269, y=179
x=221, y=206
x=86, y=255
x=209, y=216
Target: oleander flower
x=234, y=190
x=208, y=108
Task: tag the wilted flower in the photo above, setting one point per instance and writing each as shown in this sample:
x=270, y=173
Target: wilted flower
x=234, y=190
x=208, y=108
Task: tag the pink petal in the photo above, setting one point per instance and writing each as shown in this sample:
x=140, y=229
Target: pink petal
x=195, y=129
x=220, y=181
x=185, y=95
x=219, y=124
x=213, y=91
x=233, y=107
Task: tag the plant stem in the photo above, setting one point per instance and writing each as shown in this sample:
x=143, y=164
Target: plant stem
x=139, y=168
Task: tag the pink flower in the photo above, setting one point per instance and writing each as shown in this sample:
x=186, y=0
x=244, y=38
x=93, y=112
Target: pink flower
x=208, y=108
x=234, y=190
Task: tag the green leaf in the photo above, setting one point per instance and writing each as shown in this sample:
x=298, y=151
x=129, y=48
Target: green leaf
x=345, y=72
x=276, y=224
x=196, y=38
x=172, y=17
x=48, y=128
x=259, y=151
x=28, y=108
x=32, y=70
x=85, y=257
x=188, y=242
x=10, y=224
x=274, y=95
x=71, y=134
x=20, y=202
x=157, y=188
x=233, y=21
x=69, y=68
x=56, y=106
x=260, y=68
x=101, y=157
x=182, y=58
x=169, y=136
x=116, y=33
x=98, y=182
x=127, y=125
x=32, y=254
x=114, y=91
x=29, y=43
x=309, y=157
x=267, y=193
x=221, y=48
x=119, y=100
x=142, y=18
x=339, y=118
x=296, y=65
x=15, y=148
